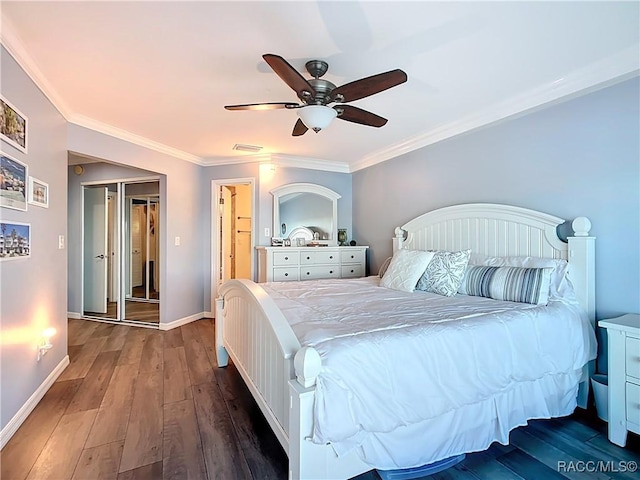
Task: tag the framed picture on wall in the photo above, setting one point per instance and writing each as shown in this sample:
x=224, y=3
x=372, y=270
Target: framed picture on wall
x=38, y=192
x=13, y=183
x=15, y=240
x=13, y=125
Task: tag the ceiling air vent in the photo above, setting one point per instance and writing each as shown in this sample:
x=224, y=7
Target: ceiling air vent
x=246, y=148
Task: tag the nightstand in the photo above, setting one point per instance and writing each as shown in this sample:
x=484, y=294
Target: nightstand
x=623, y=335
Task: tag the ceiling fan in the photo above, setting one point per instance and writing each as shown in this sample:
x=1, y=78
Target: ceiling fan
x=316, y=94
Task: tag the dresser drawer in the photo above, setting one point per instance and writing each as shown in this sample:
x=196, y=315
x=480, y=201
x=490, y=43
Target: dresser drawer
x=632, y=349
x=285, y=258
x=633, y=403
x=285, y=274
x=319, y=257
x=319, y=271
x=352, y=271
x=355, y=256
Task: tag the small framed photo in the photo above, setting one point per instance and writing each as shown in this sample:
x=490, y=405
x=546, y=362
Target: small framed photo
x=15, y=240
x=38, y=192
x=13, y=125
x=13, y=183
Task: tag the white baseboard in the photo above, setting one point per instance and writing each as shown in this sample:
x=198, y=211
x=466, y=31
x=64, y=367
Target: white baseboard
x=182, y=321
x=18, y=419
x=76, y=315
x=209, y=315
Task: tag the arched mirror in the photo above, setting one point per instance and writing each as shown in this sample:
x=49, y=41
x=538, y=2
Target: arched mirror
x=305, y=211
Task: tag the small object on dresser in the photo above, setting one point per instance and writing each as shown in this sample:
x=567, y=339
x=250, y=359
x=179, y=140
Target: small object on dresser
x=353, y=243
x=342, y=236
x=276, y=241
x=287, y=242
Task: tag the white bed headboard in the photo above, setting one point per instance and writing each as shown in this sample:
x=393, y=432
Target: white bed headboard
x=503, y=230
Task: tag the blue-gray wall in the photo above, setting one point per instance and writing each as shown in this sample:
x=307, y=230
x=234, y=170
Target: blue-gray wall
x=33, y=290
x=577, y=158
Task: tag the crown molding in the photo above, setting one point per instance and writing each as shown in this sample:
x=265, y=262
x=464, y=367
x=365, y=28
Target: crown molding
x=609, y=71
x=12, y=43
x=127, y=136
x=282, y=160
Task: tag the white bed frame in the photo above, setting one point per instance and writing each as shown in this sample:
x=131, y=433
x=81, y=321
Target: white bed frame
x=281, y=375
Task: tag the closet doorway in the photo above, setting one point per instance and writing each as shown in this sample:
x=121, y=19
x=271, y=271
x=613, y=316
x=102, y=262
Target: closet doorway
x=121, y=247
x=233, y=233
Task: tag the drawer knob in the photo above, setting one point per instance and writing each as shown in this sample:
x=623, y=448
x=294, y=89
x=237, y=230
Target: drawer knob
x=351, y=256
x=286, y=274
x=308, y=258
x=286, y=258
x=330, y=271
x=330, y=256
x=308, y=273
x=351, y=271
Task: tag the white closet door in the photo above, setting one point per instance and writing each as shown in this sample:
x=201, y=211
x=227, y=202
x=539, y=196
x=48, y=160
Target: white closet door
x=95, y=250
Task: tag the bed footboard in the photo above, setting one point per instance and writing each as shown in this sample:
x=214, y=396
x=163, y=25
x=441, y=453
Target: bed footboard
x=281, y=376
x=253, y=332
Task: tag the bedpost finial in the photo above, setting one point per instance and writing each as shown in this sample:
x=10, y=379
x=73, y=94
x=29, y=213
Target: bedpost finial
x=581, y=227
x=307, y=364
x=399, y=232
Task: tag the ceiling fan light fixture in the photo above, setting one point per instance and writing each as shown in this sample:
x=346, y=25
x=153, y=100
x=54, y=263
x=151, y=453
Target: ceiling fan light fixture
x=317, y=117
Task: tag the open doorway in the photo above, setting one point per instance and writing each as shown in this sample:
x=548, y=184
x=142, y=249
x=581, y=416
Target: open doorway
x=233, y=231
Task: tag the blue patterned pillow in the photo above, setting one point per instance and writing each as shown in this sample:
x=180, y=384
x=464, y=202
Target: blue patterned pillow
x=513, y=284
x=444, y=273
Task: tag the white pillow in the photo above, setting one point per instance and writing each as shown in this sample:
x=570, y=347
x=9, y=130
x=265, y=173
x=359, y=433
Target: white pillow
x=405, y=269
x=560, y=287
x=384, y=266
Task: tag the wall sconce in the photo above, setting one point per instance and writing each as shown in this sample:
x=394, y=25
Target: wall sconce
x=45, y=344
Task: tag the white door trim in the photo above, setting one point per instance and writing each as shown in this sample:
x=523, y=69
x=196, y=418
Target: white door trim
x=216, y=226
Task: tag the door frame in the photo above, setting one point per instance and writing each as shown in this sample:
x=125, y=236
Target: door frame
x=216, y=227
x=120, y=235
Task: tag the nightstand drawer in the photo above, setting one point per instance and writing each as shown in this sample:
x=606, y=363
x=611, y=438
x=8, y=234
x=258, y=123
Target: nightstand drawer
x=315, y=272
x=352, y=257
x=632, y=360
x=285, y=274
x=285, y=258
x=633, y=403
x=352, y=271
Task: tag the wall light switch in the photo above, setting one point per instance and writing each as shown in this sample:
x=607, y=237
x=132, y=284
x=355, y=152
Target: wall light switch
x=177, y=243
x=267, y=232
x=60, y=242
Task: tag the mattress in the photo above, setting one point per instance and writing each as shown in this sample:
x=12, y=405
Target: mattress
x=411, y=378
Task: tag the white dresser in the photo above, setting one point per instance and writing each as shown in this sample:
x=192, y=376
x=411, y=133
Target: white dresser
x=281, y=264
x=623, y=335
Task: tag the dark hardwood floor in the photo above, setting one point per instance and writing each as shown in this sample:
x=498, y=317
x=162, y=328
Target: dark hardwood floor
x=145, y=404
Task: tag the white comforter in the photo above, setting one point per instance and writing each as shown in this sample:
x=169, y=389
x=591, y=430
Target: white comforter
x=395, y=363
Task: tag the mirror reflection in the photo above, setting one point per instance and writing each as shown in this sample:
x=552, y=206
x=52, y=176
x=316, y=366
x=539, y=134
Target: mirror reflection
x=308, y=210
x=142, y=248
x=304, y=214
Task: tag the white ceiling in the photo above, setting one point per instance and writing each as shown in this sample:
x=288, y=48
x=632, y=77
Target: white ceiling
x=160, y=72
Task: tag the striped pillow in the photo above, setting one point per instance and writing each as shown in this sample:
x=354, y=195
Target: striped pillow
x=513, y=284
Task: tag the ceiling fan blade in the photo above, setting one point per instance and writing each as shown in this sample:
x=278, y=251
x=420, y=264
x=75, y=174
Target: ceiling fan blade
x=262, y=106
x=299, y=129
x=357, y=115
x=368, y=86
x=290, y=76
